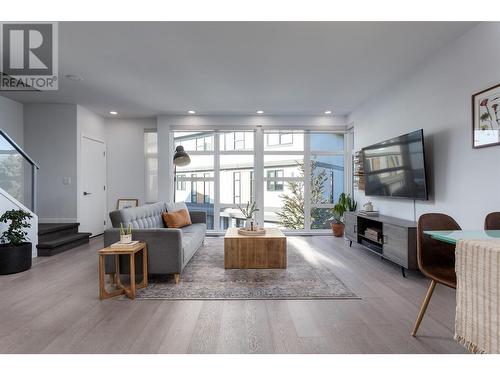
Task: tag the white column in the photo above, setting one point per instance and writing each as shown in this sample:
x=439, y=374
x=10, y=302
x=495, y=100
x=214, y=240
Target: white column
x=216, y=182
x=259, y=173
x=307, y=181
x=165, y=165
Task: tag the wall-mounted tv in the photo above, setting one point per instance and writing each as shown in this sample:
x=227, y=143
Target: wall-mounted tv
x=396, y=167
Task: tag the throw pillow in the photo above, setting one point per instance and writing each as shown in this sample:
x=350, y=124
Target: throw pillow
x=177, y=219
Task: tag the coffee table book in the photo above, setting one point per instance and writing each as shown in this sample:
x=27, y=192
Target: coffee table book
x=119, y=245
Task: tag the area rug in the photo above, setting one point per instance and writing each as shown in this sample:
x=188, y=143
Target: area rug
x=205, y=278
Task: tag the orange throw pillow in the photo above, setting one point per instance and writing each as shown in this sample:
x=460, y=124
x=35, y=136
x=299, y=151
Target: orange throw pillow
x=176, y=219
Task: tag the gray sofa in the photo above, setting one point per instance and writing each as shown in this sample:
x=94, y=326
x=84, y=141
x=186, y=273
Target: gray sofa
x=169, y=249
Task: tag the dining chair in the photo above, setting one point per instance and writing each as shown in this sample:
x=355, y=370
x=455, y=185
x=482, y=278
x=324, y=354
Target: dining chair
x=492, y=221
x=436, y=259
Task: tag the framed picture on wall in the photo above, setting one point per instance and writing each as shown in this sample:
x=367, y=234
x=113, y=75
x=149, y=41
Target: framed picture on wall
x=486, y=118
x=126, y=203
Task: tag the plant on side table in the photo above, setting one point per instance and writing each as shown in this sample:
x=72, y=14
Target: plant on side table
x=15, y=250
x=343, y=205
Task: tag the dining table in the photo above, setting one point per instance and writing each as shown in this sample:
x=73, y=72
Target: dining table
x=477, y=267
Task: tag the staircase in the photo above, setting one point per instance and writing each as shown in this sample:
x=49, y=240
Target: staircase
x=54, y=238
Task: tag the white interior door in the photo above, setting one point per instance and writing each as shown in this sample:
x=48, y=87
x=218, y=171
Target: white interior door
x=93, y=201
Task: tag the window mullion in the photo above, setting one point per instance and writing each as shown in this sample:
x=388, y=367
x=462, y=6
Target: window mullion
x=259, y=174
x=307, y=182
x=216, y=182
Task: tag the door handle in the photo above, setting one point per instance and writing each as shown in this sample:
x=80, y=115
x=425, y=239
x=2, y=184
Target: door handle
x=86, y=193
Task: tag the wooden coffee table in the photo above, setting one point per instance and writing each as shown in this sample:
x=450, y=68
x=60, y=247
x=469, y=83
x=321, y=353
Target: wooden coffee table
x=265, y=251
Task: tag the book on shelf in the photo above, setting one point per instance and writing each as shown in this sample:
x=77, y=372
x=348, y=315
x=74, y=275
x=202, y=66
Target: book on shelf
x=369, y=213
x=120, y=245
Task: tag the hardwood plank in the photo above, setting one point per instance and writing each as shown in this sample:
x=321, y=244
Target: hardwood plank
x=207, y=330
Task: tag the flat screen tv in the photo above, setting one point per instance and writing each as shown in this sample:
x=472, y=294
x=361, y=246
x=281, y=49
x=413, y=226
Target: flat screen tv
x=396, y=167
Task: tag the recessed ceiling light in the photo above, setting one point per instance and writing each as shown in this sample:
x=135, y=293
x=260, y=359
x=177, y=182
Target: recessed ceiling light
x=191, y=112
x=74, y=77
x=260, y=112
x=328, y=112
x=113, y=112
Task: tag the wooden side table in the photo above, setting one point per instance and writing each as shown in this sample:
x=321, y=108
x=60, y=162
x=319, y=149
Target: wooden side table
x=130, y=251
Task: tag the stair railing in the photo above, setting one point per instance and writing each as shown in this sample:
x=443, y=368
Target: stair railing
x=14, y=178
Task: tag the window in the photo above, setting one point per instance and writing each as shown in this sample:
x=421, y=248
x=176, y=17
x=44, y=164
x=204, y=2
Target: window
x=151, y=156
x=300, y=178
x=237, y=187
x=193, y=190
x=275, y=185
x=181, y=185
x=239, y=141
x=204, y=143
x=206, y=189
x=279, y=139
x=236, y=141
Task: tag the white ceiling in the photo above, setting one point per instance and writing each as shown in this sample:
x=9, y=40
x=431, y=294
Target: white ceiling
x=149, y=68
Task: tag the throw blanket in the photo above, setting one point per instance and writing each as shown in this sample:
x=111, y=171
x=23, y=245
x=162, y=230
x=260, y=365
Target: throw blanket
x=477, y=320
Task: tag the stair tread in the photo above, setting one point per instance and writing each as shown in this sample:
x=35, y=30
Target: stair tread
x=46, y=228
x=63, y=240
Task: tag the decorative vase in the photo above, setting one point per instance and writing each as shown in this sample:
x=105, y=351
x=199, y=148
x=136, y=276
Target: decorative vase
x=249, y=223
x=338, y=229
x=14, y=259
x=125, y=238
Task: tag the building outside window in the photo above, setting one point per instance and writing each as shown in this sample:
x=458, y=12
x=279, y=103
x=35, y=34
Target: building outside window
x=277, y=139
x=181, y=185
x=275, y=185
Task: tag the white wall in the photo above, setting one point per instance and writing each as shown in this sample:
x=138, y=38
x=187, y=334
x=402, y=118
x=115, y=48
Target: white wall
x=50, y=138
x=436, y=96
x=125, y=159
x=11, y=119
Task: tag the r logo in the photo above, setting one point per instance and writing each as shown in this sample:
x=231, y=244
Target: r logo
x=28, y=56
x=27, y=49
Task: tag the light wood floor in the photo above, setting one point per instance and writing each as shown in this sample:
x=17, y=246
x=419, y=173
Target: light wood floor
x=54, y=308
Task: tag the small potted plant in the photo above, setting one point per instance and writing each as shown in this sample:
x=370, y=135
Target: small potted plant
x=125, y=235
x=343, y=205
x=15, y=250
x=248, y=212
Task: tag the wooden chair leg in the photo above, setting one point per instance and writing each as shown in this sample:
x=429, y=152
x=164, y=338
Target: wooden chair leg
x=423, y=308
x=177, y=277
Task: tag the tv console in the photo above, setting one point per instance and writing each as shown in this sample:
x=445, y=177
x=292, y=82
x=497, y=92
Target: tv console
x=392, y=238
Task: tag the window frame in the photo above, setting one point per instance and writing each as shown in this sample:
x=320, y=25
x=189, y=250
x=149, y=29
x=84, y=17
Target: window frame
x=259, y=181
x=147, y=175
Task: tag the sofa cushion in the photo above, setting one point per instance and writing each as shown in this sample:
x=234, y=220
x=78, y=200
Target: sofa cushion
x=177, y=206
x=144, y=217
x=192, y=238
x=176, y=219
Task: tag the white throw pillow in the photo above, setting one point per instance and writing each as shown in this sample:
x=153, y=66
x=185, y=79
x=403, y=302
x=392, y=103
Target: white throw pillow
x=177, y=206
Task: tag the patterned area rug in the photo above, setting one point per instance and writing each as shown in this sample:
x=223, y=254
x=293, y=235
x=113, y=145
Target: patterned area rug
x=205, y=278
